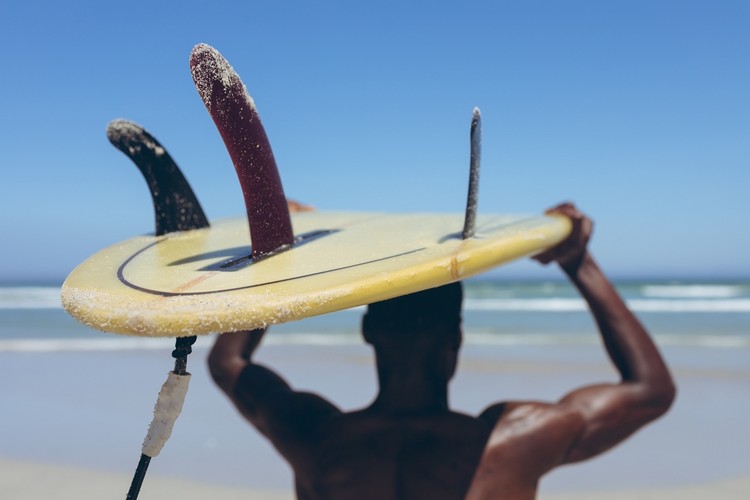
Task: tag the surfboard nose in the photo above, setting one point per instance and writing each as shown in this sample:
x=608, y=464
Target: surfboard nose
x=234, y=113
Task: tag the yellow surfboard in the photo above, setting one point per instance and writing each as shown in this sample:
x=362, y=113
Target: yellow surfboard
x=194, y=278
x=205, y=281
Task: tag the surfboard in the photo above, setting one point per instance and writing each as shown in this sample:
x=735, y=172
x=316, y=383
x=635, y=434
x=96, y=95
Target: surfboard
x=205, y=280
x=193, y=277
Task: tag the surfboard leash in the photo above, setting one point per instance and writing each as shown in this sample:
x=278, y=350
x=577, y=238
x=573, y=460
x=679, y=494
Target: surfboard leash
x=167, y=409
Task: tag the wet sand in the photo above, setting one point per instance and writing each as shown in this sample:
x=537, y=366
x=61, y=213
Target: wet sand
x=74, y=421
x=26, y=480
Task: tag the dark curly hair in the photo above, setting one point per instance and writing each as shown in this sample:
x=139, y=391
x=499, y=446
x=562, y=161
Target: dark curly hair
x=434, y=311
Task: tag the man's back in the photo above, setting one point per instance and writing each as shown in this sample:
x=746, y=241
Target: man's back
x=408, y=445
x=366, y=454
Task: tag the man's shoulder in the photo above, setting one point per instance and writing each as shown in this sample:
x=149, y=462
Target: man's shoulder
x=540, y=412
x=540, y=431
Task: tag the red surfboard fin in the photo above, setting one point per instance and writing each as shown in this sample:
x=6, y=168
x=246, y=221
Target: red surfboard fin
x=233, y=111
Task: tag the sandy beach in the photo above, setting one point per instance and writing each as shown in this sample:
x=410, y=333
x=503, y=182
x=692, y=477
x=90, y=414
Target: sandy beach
x=73, y=421
x=26, y=480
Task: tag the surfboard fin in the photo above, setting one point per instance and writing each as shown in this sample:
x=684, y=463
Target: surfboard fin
x=233, y=111
x=176, y=207
x=473, y=196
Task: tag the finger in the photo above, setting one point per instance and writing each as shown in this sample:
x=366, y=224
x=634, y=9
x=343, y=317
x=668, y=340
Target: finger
x=587, y=229
x=559, y=208
x=545, y=257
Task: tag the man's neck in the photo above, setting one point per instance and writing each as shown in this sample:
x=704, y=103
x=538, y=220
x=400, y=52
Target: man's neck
x=403, y=396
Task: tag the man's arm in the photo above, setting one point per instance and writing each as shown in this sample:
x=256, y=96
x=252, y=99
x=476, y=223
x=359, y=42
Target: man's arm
x=230, y=355
x=597, y=417
x=610, y=412
x=265, y=399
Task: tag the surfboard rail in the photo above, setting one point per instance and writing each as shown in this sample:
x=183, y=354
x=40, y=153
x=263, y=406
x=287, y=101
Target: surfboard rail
x=205, y=280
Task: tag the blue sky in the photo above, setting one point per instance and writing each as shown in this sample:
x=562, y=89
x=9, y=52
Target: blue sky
x=637, y=110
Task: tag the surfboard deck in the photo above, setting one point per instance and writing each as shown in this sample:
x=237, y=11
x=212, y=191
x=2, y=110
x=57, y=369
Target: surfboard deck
x=203, y=281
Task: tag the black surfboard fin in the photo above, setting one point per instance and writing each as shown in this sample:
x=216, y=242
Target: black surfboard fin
x=176, y=207
x=473, y=196
x=233, y=111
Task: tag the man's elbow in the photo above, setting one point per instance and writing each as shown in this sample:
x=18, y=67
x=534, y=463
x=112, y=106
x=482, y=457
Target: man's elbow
x=660, y=399
x=670, y=394
x=223, y=370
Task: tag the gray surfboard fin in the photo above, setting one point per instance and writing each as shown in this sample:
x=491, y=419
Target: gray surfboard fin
x=473, y=196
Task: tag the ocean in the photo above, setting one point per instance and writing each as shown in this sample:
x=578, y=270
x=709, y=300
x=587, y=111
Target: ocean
x=711, y=314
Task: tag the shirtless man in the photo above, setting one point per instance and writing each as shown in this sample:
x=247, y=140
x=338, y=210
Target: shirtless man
x=408, y=444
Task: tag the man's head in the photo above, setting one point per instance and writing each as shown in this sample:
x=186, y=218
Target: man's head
x=422, y=329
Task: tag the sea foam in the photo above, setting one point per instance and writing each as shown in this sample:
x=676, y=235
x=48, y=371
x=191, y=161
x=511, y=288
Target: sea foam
x=637, y=305
x=30, y=297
